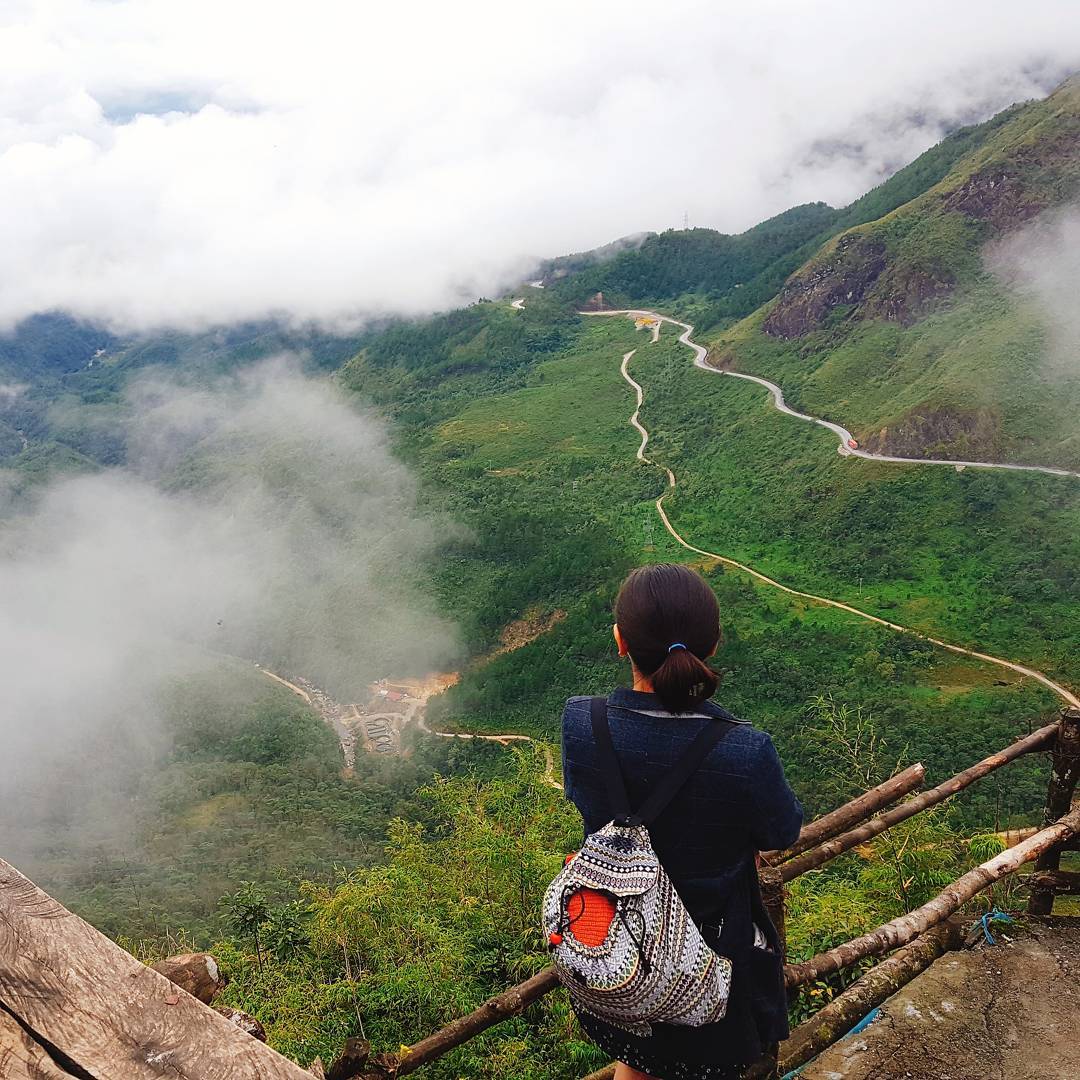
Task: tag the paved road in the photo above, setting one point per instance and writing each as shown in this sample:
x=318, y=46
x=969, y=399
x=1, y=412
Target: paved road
x=635, y=421
x=700, y=354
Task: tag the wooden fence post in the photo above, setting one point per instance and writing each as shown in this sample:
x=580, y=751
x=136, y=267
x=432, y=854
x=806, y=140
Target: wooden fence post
x=772, y=896
x=1059, y=794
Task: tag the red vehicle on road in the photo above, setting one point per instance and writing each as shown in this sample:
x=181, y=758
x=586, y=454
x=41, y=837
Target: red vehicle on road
x=853, y=444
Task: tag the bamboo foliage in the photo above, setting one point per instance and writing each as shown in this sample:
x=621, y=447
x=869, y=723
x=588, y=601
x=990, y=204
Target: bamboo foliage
x=851, y=813
x=900, y=931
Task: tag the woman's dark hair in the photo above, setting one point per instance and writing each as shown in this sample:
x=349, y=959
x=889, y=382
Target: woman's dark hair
x=667, y=605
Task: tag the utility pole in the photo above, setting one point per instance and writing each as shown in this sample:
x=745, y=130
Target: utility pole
x=686, y=219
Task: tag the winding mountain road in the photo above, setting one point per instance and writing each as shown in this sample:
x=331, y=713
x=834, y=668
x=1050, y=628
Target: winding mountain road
x=845, y=436
x=699, y=359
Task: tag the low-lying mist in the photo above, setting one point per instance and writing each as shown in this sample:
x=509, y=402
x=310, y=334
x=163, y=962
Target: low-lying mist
x=1042, y=263
x=258, y=517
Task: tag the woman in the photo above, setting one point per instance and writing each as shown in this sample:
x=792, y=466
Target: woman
x=737, y=803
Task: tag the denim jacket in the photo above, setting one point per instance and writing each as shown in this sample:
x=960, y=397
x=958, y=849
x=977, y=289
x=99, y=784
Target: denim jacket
x=736, y=804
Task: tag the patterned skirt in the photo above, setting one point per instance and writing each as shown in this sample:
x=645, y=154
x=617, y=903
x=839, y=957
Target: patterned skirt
x=657, y=1060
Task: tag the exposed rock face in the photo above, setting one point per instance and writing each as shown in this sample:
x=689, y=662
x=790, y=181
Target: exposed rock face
x=197, y=973
x=905, y=296
x=902, y=286
x=1035, y=177
x=997, y=196
x=943, y=432
x=842, y=277
x=244, y=1021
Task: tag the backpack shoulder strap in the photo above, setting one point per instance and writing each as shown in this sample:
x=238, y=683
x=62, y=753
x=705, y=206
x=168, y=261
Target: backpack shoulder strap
x=618, y=800
x=676, y=777
x=672, y=781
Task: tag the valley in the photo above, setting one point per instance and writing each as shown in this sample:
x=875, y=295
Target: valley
x=882, y=490
x=846, y=450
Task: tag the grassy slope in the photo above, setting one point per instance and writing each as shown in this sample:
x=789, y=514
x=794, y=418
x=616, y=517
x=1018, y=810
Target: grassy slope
x=971, y=379
x=553, y=453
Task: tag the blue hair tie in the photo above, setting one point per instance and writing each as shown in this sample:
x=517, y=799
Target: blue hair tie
x=675, y=645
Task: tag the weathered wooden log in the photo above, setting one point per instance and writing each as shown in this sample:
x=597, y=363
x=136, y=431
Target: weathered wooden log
x=903, y=929
x=606, y=1073
x=352, y=1062
x=22, y=1057
x=845, y=1010
x=508, y=1003
x=82, y=995
x=1063, y=777
x=851, y=813
x=197, y=973
x=830, y=849
x=244, y=1021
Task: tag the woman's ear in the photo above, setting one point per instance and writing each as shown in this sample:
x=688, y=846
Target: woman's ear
x=619, y=640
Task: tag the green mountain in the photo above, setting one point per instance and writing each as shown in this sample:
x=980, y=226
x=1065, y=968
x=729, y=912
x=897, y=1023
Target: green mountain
x=901, y=327
x=714, y=278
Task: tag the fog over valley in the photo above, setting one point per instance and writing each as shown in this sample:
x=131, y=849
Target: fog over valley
x=261, y=518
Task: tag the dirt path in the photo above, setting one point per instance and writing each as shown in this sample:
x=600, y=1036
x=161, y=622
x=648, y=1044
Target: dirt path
x=381, y=731
x=1063, y=693
x=503, y=740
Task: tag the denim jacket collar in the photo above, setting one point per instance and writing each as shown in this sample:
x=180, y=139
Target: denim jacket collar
x=639, y=701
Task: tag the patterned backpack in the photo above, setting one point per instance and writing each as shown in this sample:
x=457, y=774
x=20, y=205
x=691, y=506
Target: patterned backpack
x=621, y=940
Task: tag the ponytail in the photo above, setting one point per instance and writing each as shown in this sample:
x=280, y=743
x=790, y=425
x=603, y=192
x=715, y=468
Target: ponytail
x=683, y=681
x=670, y=622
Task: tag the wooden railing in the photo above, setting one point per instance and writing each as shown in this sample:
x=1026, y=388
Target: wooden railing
x=72, y=1003
x=920, y=935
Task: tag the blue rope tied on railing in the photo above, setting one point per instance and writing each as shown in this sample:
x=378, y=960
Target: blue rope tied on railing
x=992, y=916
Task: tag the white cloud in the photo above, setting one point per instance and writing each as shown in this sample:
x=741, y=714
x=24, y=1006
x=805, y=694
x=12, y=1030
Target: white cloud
x=1041, y=262
x=166, y=163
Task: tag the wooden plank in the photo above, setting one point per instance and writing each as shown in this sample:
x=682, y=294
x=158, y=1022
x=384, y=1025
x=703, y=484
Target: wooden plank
x=811, y=860
x=900, y=931
x=1059, y=794
x=851, y=813
x=116, y=1018
x=1057, y=882
x=21, y=1058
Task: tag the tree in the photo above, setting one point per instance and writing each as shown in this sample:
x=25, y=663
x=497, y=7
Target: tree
x=246, y=910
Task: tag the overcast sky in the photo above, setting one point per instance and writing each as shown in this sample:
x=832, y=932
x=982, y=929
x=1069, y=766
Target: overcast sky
x=189, y=162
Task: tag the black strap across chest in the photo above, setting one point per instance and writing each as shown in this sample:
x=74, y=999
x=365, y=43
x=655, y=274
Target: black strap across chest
x=669, y=785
